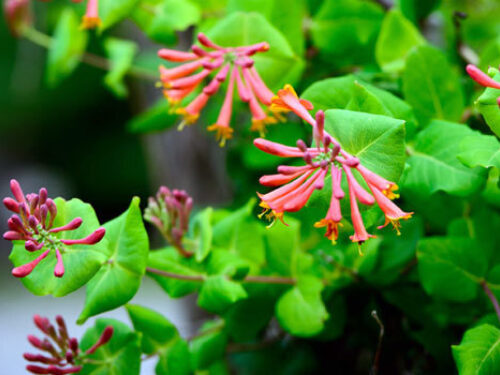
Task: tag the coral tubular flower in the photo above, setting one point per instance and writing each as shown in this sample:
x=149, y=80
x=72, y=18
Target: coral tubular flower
x=294, y=185
x=223, y=62
x=91, y=18
x=482, y=78
x=32, y=223
x=65, y=357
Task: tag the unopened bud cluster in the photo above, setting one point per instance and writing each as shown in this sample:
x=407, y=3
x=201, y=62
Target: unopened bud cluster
x=169, y=212
x=33, y=221
x=62, y=354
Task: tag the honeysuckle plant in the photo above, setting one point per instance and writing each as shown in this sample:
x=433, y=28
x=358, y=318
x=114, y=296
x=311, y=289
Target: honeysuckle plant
x=337, y=117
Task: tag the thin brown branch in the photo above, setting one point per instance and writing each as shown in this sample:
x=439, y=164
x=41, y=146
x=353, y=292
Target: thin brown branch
x=376, y=359
x=492, y=297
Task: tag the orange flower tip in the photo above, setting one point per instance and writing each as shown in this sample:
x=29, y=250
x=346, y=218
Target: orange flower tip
x=223, y=133
x=270, y=215
x=307, y=104
x=90, y=22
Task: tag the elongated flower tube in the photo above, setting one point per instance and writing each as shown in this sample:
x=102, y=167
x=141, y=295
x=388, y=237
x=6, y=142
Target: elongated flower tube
x=294, y=185
x=32, y=223
x=65, y=357
x=91, y=18
x=232, y=64
x=482, y=78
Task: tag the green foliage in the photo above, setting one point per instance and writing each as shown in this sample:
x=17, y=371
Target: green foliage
x=218, y=293
x=66, y=47
x=488, y=106
x=113, y=11
x=120, y=277
x=121, y=55
x=156, y=118
x=120, y=356
x=209, y=346
x=81, y=262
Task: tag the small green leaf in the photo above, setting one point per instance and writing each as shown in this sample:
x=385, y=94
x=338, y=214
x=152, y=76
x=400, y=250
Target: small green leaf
x=282, y=245
x=346, y=30
x=246, y=318
x=479, y=351
x=119, y=279
x=175, y=359
x=451, y=267
x=480, y=150
x=397, y=37
x=218, y=293
x=201, y=233
x=68, y=44
x=121, y=55
x=431, y=86
x=81, y=262
x=156, y=118
x=169, y=260
x=434, y=163
x=277, y=66
x=208, y=346
x=488, y=106
x=113, y=11
x=300, y=310
x=120, y=356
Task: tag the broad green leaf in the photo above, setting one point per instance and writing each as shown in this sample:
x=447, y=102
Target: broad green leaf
x=121, y=55
x=66, y=48
x=218, y=293
x=488, y=106
x=451, y=267
x=431, y=86
x=331, y=92
x=246, y=318
x=397, y=37
x=491, y=192
x=300, y=310
x=228, y=263
x=282, y=245
x=156, y=118
x=480, y=150
x=479, y=351
x=346, y=30
x=169, y=260
x=279, y=65
x=81, y=262
x=287, y=19
x=201, y=233
x=120, y=277
x=159, y=336
x=434, y=163
x=113, y=11
x=490, y=55
x=120, y=356
x=208, y=346
x=416, y=10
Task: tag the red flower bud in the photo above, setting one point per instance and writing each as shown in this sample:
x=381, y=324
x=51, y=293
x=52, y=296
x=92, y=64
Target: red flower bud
x=105, y=337
x=89, y=240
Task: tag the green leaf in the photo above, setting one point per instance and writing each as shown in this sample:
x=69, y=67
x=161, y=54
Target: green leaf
x=246, y=318
x=490, y=55
x=208, y=346
x=434, y=163
x=337, y=317
x=287, y=19
x=201, y=233
x=68, y=44
x=113, y=11
x=81, y=262
x=488, y=106
x=154, y=119
x=159, y=336
x=121, y=55
x=228, y=263
x=120, y=356
x=480, y=150
x=451, y=267
x=416, y=10
x=119, y=279
x=218, y=293
x=397, y=37
x=300, y=310
x=277, y=66
x=431, y=86
x=282, y=246
x=479, y=351
x=169, y=260
x=346, y=30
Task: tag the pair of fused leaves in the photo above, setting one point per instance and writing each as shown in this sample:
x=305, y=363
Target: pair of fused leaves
x=112, y=268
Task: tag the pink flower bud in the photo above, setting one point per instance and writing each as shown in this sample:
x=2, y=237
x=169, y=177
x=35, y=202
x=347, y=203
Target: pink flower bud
x=59, y=269
x=42, y=323
x=105, y=337
x=35, y=341
x=69, y=357
x=42, y=195
x=203, y=39
x=52, y=210
x=482, y=78
x=40, y=358
x=73, y=345
x=11, y=205
x=198, y=51
x=33, y=246
x=27, y=268
x=72, y=225
x=301, y=145
x=63, y=330
x=14, y=223
x=17, y=191
x=33, y=223
x=89, y=240
x=176, y=56
x=13, y=236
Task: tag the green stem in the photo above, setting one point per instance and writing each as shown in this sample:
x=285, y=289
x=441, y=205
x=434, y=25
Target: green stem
x=91, y=59
x=248, y=279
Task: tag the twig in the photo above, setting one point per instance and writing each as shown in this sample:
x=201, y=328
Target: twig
x=492, y=297
x=248, y=279
x=376, y=359
x=96, y=61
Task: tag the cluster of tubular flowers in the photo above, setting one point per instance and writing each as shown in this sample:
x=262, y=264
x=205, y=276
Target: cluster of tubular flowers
x=32, y=223
x=169, y=212
x=63, y=355
x=482, y=78
x=326, y=159
x=227, y=63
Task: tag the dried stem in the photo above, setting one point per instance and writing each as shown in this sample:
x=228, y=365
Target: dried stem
x=376, y=359
x=492, y=297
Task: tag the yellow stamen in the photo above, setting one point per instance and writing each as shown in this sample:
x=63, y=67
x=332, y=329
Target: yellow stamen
x=222, y=133
x=90, y=22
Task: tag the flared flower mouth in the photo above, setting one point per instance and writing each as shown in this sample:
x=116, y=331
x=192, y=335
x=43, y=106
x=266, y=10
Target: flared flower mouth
x=90, y=22
x=222, y=133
